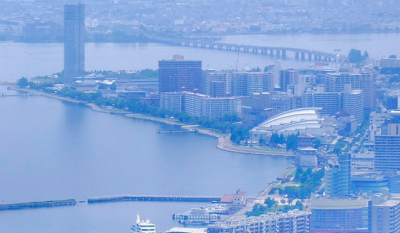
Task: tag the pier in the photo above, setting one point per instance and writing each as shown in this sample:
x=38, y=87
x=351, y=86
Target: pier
x=153, y=198
x=176, y=131
x=33, y=205
x=7, y=95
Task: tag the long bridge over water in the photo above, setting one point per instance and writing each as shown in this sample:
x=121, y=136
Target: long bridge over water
x=280, y=52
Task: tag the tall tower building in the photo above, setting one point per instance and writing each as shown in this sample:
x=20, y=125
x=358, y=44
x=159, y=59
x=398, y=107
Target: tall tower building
x=74, y=42
x=337, y=176
x=177, y=73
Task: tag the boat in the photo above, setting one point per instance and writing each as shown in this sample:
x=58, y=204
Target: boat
x=203, y=215
x=144, y=226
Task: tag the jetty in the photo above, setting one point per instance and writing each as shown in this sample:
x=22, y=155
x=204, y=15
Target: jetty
x=33, y=205
x=176, y=131
x=153, y=198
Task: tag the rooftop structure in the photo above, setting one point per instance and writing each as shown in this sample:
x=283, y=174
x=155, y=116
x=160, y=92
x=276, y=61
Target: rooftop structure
x=302, y=120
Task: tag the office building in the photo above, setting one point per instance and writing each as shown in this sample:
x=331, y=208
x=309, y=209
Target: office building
x=337, y=176
x=177, y=73
x=335, y=82
x=292, y=222
x=387, y=145
x=74, y=42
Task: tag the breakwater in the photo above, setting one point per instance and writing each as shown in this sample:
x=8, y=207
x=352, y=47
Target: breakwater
x=153, y=198
x=42, y=204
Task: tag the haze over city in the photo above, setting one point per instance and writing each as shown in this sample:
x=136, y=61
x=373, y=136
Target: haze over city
x=200, y=116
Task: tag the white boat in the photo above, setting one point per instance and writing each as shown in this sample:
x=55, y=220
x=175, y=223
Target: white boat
x=143, y=226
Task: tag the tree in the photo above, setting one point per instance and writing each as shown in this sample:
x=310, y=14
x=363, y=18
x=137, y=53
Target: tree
x=365, y=56
x=317, y=143
x=355, y=56
x=269, y=202
x=22, y=82
x=299, y=205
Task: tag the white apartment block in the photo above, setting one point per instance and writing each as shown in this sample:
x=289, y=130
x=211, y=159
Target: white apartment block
x=172, y=101
x=292, y=222
x=199, y=105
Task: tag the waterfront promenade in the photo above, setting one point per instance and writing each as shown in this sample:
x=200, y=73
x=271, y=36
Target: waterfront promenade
x=223, y=142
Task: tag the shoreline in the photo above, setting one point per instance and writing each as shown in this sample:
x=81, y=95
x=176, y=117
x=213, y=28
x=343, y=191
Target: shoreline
x=223, y=142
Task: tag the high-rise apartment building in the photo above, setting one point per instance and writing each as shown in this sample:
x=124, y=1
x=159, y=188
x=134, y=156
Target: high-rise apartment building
x=287, y=77
x=176, y=74
x=385, y=212
x=387, y=145
x=330, y=102
x=335, y=82
x=353, y=104
x=74, y=42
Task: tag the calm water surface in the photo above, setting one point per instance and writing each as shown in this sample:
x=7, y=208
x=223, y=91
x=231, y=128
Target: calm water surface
x=19, y=59
x=52, y=149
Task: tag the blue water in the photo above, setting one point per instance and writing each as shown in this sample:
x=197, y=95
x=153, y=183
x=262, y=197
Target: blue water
x=51, y=149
